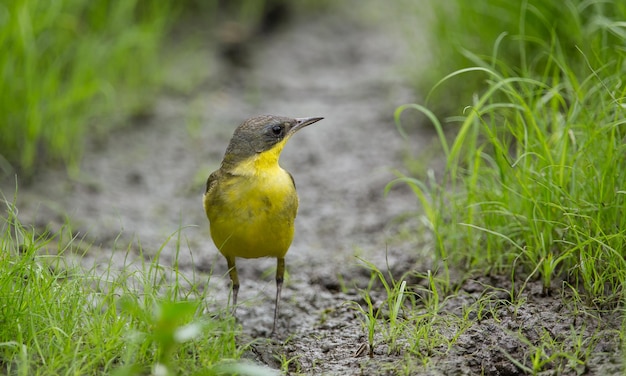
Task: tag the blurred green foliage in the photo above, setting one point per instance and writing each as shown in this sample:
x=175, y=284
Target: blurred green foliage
x=69, y=68
x=518, y=37
x=65, y=63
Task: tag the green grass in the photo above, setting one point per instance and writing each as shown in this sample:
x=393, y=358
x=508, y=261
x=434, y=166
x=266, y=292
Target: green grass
x=530, y=113
x=520, y=36
x=58, y=318
x=412, y=321
x=423, y=327
x=535, y=176
x=73, y=67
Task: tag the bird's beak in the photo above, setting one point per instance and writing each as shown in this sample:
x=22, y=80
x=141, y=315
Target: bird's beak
x=303, y=122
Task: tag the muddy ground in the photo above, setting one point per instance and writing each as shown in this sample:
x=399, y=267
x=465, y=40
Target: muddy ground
x=145, y=182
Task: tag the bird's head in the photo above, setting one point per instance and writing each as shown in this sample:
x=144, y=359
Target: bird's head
x=263, y=133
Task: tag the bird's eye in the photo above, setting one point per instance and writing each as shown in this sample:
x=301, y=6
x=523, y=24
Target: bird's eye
x=277, y=130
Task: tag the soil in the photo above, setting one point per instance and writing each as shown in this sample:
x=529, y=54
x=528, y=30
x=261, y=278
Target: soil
x=144, y=183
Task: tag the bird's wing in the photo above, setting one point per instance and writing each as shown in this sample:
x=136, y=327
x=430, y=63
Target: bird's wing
x=293, y=181
x=212, y=181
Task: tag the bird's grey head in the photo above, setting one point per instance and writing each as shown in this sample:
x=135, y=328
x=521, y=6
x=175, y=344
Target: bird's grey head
x=262, y=133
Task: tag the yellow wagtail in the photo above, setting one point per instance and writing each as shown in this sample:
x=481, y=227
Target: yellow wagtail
x=251, y=202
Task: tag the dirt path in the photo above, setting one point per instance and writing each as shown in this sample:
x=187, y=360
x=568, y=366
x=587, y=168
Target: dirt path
x=146, y=182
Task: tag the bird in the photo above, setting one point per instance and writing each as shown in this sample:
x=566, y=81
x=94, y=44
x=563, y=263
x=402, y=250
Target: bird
x=251, y=201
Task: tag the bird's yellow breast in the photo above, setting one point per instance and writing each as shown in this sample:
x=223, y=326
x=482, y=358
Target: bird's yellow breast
x=252, y=208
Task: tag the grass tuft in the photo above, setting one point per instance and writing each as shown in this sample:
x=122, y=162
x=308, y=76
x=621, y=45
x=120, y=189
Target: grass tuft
x=535, y=175
x=57, y=318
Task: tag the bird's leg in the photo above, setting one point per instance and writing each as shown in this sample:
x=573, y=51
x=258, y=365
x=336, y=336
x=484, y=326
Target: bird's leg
x=280, y=273
x=232, y=271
